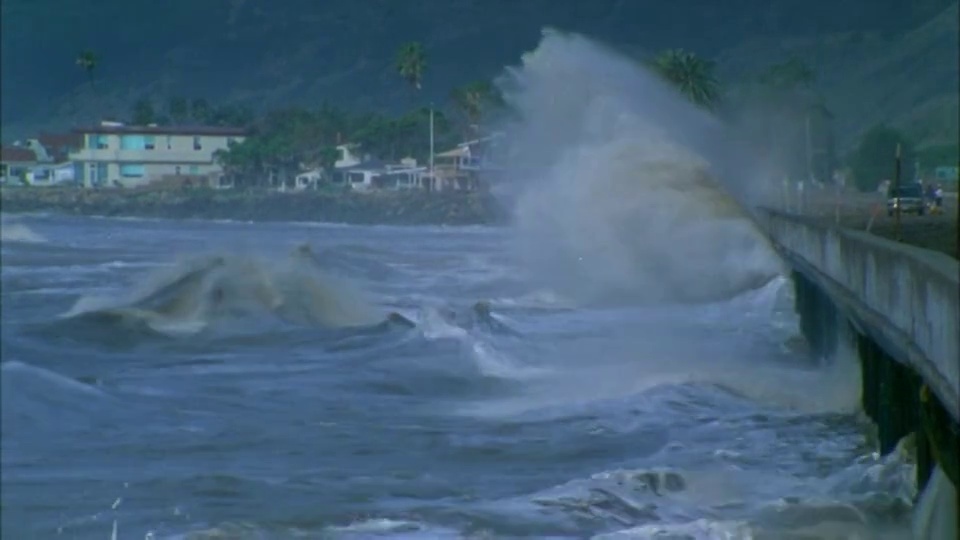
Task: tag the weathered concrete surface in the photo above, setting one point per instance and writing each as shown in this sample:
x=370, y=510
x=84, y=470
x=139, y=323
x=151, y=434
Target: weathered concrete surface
x=906, y=298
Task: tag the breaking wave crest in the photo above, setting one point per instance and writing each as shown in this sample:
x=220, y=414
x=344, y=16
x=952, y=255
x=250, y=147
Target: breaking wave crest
x=223, y=292
x=18, y=232
x=622, y=199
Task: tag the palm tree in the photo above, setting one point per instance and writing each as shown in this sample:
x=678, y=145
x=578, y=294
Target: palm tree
x=411, y=63
x=691, y=75
x=87, y=62
x=474, y=99
x=797, y=118
x=200, y=111
x=178, y=109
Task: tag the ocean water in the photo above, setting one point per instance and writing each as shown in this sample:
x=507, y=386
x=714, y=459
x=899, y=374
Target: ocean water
x=196, y=380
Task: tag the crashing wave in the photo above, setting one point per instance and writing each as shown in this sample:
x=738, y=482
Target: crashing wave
x=625, y=202
x=200, y=293
x=205, y=293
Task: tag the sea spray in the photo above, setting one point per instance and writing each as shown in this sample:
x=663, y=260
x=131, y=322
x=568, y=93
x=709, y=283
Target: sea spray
x=620, y=201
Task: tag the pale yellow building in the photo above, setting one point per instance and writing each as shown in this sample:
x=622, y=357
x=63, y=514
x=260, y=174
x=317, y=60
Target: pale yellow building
x=119, y=155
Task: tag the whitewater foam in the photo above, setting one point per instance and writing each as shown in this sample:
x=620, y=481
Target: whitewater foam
x=623, y=206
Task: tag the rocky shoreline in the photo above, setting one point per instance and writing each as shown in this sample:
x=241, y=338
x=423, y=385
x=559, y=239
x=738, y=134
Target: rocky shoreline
x=378, y=208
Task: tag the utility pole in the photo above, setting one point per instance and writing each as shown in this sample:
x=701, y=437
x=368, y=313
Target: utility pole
x=431, y=140
x=897, y=195
x=809, y=147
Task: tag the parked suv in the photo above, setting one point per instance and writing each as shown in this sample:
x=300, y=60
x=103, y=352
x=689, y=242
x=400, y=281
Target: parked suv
x=909, y=198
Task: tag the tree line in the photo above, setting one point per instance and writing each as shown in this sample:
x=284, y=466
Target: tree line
x=779, y=110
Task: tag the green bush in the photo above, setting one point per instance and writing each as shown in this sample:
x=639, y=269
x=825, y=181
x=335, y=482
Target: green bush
x=874, y=159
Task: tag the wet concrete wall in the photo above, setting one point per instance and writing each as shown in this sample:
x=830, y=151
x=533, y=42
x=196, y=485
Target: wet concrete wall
x=903, y=307
x=905, y=299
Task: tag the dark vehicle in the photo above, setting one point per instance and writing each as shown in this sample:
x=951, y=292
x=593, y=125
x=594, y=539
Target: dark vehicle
x=908, y=198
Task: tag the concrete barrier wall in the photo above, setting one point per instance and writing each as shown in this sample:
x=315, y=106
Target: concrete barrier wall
x=905, y=298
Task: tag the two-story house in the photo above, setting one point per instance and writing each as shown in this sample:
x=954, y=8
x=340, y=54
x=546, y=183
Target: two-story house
x=114, y=154
x=462, y=167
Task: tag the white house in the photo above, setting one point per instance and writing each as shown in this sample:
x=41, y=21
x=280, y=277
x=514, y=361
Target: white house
x=347, y=156
x=305, y=180
x=359, y=177
x=114, y=154
x=51, y=174
x=460, y=168
x=376, y=175
x=405, y=175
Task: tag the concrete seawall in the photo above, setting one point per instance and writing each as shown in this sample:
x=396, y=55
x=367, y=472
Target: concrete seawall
x=899, y=307
x=905, y=299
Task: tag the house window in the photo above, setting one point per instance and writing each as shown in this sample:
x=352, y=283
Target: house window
x=132, y=142
x=102, y=142
x=194, y=169
x=169, y=142
x=132, y=170
x=149, y=142
x=196, y=144
x=176, y=170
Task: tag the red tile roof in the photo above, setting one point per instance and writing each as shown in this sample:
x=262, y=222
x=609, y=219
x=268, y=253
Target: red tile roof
x=13, y=154
x=165, y=130
x=52, y=141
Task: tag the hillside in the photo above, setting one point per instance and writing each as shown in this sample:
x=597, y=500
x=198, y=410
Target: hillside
x=910, y=80
x=874, y=55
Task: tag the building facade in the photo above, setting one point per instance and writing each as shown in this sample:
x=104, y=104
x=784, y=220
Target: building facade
x=15, y=162
x=117, y=155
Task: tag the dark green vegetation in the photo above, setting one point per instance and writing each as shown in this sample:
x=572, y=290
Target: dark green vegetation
x=779, y=112
x=693, y=76
x=874, y=158
x=905, y=77
x=286, y=140
x=892, y=61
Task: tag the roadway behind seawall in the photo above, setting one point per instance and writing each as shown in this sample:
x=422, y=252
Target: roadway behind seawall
x=867, y=212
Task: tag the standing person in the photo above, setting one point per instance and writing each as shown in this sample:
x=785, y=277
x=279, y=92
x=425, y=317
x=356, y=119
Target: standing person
x=938, y=198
